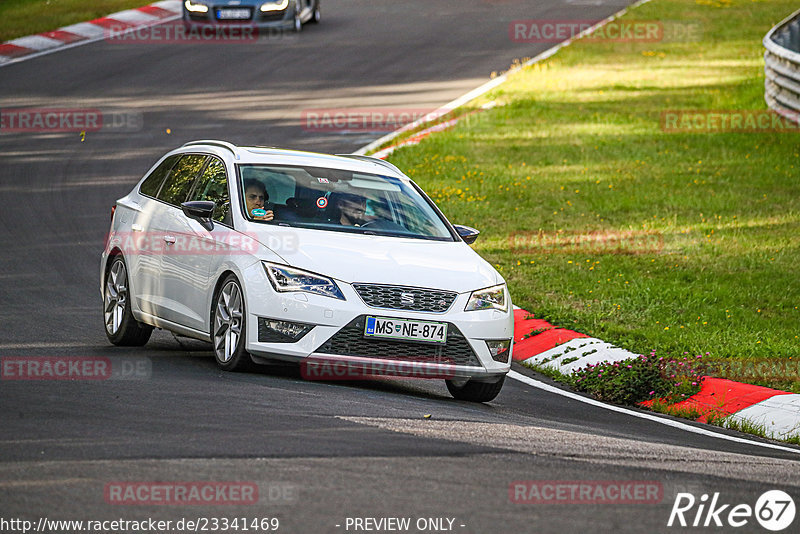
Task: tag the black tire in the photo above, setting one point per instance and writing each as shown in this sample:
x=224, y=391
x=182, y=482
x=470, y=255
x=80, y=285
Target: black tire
x=474, y=391
x=122, y=329
x=317, y=16
x=230, y=354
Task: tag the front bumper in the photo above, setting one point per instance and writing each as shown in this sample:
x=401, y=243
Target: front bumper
x=338, y=327
x=269, y=20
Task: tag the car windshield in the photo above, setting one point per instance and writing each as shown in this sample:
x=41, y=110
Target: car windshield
x=338, y=200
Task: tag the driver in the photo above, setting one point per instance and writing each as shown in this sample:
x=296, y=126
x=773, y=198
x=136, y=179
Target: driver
x=350, y=209
x=255, y=197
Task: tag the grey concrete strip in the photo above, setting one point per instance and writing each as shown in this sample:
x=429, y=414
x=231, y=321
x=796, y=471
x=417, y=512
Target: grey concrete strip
x=575, y=446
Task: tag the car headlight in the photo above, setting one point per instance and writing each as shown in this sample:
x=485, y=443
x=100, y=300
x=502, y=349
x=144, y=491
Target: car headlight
x=195, y=8
x=280, y=5
x=286, y=279
x=491, y=298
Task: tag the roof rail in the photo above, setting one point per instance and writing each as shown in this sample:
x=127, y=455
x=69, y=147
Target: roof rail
x=370, y=159
x=214, y=142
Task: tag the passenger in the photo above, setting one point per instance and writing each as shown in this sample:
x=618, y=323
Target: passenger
x=255, y=197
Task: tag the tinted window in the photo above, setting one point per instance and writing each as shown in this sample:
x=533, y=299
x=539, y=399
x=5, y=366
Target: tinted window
x=213, y=185
x=152, y=183
x=176, y=187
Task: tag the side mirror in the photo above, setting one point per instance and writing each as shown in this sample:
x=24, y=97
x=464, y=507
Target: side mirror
x=200, y=210
x=468, y=234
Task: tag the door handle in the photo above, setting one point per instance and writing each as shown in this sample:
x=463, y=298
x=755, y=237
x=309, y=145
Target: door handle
x=170, y=239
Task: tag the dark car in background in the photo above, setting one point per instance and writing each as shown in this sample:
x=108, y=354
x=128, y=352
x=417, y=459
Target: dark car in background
x=264, y=14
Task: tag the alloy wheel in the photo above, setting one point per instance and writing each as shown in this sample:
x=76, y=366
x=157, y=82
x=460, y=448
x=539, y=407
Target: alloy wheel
x=116, y=297
x=227, y=322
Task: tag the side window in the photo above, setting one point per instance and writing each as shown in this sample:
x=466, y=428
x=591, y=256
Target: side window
x=152, y=183
x=280, y=186
x=213, y=185
x=176, y=187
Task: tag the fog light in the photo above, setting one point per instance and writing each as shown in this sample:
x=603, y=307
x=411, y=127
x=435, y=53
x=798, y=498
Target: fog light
x=499, y=349
x=274, y=331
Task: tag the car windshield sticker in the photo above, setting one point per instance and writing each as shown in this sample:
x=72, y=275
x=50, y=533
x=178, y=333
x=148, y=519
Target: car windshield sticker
x=322, y=202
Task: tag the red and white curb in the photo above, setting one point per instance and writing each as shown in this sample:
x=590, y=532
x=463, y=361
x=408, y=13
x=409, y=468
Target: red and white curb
x=32, y=46
x=778, y=412
x=558, y=348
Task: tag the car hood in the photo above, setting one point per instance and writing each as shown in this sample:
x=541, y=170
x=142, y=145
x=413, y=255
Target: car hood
x=453, y=266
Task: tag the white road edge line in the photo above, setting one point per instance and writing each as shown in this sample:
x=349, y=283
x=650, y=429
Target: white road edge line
x=494, y=82
x=668, y=422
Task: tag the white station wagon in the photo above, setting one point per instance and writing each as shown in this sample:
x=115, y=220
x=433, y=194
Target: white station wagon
x=341, y=263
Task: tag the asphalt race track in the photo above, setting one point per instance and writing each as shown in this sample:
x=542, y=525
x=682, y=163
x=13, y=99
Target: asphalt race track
x=320, y=452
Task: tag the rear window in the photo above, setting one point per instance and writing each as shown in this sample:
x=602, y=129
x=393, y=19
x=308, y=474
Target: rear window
x=152, y=183
x=179, y=182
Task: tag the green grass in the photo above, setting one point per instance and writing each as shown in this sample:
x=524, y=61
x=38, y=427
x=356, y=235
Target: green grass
x=743, y=425
x=575, y=146
x=25, y=17
x=669, y=409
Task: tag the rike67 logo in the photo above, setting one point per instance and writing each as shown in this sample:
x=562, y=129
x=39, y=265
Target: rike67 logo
x=774, y=510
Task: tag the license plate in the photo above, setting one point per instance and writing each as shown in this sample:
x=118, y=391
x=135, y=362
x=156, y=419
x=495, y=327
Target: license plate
x=406, y=329
x=233, y=14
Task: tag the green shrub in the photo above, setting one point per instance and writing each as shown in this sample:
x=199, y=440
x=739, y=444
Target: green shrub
x=639, y=379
